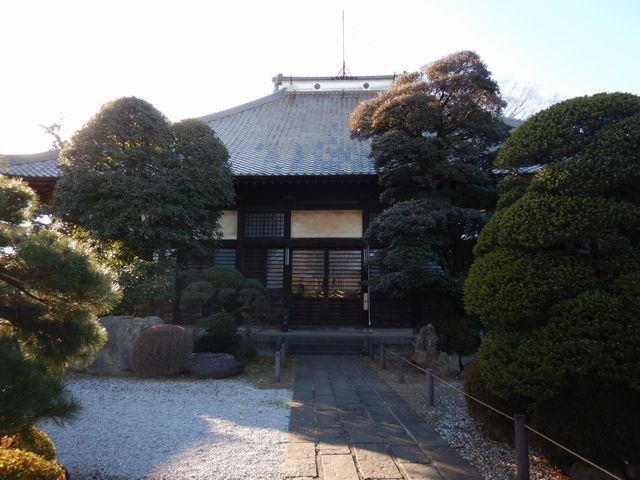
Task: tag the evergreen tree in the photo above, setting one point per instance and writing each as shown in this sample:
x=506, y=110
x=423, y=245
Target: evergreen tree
x=556, y=281
x=51, y=291
x=130, y=176
x=143, y=186
x=432, y=132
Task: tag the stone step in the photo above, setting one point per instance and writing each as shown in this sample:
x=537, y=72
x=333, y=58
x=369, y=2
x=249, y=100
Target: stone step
x=326, y=346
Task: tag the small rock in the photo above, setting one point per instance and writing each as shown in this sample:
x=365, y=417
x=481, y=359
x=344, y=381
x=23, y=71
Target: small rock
x=213, y=365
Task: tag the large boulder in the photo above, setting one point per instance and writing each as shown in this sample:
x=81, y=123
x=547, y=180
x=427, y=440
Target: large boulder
x=123, y=332
x=213, y=365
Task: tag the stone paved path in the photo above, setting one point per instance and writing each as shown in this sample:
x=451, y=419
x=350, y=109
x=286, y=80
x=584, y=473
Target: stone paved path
x=346, y=423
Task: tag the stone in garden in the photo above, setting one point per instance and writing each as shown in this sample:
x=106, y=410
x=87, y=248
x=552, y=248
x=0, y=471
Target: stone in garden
x=213, y=365
x=426, y=346
x=123, y=331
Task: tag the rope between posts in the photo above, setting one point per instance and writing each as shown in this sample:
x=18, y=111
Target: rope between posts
x=509, y=417
x=418, y=367
x=589, y=462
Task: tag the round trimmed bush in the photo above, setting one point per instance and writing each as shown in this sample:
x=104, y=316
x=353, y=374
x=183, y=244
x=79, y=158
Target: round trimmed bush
x=598, y=423
x=16, y=464
x=495, y=425
x=32, y=440
x=161, y=351
x=221, y=334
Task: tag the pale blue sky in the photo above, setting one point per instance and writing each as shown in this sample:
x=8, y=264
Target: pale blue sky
x=190, y=58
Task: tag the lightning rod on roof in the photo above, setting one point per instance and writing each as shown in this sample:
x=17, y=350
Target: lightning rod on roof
x=343, y=73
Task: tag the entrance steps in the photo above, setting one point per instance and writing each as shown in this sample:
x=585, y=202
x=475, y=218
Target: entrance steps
x=301, y=345
x=329, y=341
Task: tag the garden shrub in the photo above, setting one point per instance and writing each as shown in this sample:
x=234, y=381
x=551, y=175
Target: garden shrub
x=161, y=351
x=16, y=464
x=556, y=280
x=246, y=352
x=223, y=277
x=32, y=440
x=457, y=333
x=495, y=425
x=221, y=334
x=225, y=290
x=598, y=422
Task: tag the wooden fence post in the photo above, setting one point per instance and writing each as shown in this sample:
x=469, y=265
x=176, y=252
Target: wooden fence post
x=522, y=447
x=278, y=366
x=429, y=388
x=383, y=360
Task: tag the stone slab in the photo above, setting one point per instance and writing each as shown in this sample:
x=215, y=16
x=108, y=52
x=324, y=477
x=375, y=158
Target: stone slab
x=325, y=402
x=419, y=471
x=338, y=467
x=301, y=435
x=408, y=454
x=427, y=437
x=333, y=448
x=364, y=435
x=374, y=461
x=300, y=460
x=451, y=465
x=328, y=420
x=332, y=441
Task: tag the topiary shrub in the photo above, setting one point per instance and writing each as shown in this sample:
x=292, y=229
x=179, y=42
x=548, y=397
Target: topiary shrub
x=16, y=464
x=221, y=334
x=557, y=278
x=495, y=425
x=225, y=290
x=32, y=440
x=161, y=351
x=246, y=352
x=598, y=423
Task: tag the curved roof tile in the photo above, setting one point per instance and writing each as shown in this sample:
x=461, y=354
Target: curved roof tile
x=287, y=133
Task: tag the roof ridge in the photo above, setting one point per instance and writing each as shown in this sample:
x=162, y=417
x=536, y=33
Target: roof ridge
x=277, y=96
x=245, y=106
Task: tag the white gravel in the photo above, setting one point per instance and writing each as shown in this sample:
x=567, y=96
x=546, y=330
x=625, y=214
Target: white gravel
x=132, y=428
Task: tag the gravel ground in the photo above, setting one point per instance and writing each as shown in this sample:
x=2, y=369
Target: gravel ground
x=450, y=418
x=132, y=428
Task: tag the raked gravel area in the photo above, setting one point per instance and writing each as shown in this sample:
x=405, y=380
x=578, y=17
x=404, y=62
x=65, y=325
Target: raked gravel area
x=132, y=428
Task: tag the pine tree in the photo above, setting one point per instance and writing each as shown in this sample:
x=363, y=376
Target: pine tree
x=51, y=291
x=432, y=133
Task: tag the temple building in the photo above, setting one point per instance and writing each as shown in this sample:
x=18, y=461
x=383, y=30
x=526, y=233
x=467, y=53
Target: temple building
x=305, y=193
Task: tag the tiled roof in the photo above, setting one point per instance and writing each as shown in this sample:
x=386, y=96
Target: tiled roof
x=294, y=133
x=43, y=164
x=287, y=133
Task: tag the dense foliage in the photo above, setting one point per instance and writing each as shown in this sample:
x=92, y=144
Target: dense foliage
x=16, y=464
x=432, y=132
x=30, y=439
x=51, y=291
x=557, y=278
x=144, y=187
x=129, y=175
x=226, y=290
x=223, y=299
